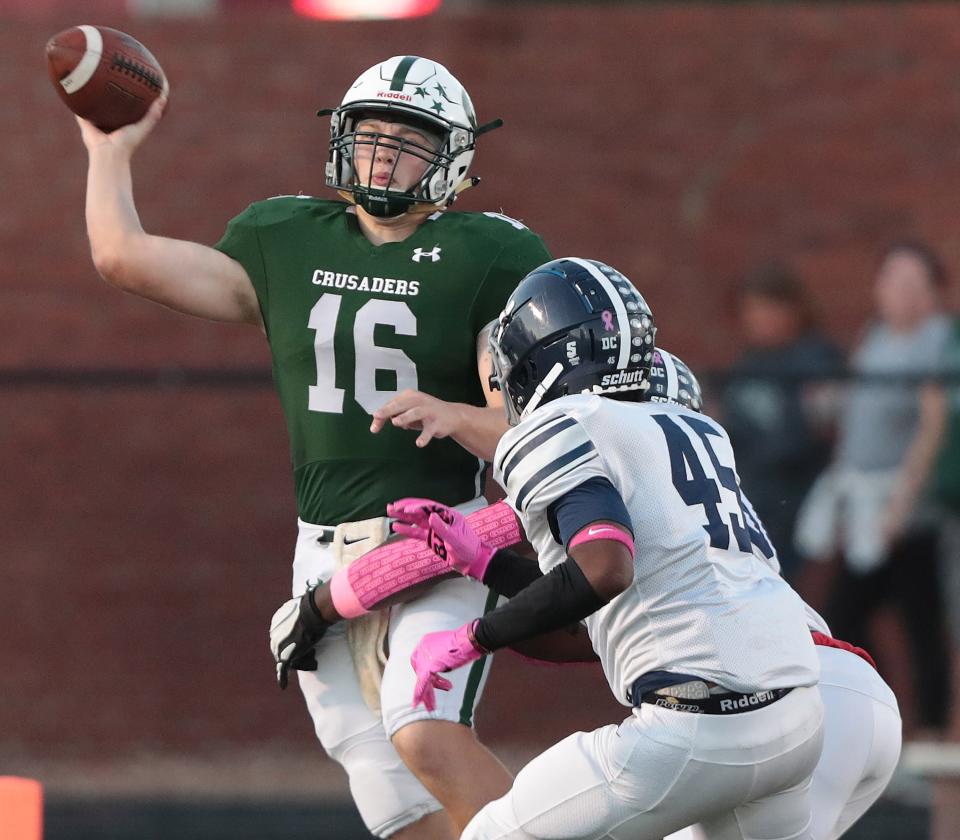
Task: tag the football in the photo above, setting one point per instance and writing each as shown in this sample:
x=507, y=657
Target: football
x=104, y=75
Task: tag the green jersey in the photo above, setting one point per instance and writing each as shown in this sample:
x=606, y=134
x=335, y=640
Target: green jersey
x=350, y=324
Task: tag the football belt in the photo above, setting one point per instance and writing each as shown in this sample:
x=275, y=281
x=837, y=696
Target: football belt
x=719, y=703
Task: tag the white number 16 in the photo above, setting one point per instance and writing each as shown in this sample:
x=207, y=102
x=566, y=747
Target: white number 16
x=325, y=395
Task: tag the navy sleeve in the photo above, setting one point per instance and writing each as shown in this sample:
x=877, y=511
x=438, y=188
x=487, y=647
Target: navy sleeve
x=596, y=500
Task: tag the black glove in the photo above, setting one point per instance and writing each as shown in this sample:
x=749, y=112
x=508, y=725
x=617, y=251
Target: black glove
x=295, y=630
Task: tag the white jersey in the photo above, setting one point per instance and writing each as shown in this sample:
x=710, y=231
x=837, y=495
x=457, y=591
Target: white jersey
x=702, y=603
x=766, y=552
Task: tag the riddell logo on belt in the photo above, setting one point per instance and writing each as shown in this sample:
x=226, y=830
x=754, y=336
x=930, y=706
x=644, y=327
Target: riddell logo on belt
x=746, y=701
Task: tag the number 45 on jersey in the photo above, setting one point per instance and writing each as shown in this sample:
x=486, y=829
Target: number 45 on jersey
x=696, y=487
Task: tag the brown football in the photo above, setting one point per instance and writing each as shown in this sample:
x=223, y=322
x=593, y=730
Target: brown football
x=105, y=76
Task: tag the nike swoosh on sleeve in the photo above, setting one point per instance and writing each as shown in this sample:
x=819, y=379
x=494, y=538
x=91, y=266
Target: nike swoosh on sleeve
x=592, y=531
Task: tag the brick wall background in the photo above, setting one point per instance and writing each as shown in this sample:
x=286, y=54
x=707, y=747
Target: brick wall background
x=146, y=534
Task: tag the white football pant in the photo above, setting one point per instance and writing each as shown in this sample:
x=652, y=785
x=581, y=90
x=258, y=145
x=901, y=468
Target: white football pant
x=742, y=776
x=388, y=796
x=861, y=744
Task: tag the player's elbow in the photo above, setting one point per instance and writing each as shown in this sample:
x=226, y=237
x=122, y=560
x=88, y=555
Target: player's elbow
x=110, y=260
x=607, y=565
x=108, y=263
x=115, y=265
x=616, y=577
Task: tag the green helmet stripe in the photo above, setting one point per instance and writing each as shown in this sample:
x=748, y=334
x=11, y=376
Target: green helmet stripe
x=400, y=74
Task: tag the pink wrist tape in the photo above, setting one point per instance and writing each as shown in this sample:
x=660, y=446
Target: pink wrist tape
x=603, y=531
x=395, y=566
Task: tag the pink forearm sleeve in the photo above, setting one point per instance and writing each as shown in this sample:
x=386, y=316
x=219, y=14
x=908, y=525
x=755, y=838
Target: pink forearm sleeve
x=496, y=525
x=395, y=566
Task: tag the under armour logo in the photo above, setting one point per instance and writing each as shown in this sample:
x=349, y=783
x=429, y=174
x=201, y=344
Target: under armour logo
x=419, y=254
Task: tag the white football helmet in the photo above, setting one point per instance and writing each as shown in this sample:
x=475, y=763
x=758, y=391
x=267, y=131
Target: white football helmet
x=417, y=92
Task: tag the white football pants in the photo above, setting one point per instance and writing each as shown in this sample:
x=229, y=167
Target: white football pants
x=740, y=776
x=388, y=796
x=861, y=744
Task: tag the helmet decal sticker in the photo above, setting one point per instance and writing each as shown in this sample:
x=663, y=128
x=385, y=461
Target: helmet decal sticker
x=400, y=74
x=412, y=92
x=616, y=298
x=566, y=329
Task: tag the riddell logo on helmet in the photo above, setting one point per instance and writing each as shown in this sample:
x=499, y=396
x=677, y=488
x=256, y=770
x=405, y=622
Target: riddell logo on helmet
x=626, y=377
x=394, y=94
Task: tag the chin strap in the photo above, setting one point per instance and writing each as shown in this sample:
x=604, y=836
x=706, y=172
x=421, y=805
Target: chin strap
x=490, y=126
x=428, y=209
x=423, y=208
x=465, y=185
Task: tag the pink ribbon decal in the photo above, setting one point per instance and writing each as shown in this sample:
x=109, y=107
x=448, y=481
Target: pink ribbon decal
x=607, y=317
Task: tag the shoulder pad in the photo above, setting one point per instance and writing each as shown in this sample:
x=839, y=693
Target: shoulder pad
x=548, y=454
x=508, y=219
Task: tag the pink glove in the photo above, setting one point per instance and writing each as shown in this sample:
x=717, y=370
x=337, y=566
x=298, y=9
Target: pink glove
x=437, y=652
x=395, y=566
x=446, y=531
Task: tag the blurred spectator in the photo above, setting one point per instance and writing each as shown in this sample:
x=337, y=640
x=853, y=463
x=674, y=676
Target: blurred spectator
x=871, y=505
x=946, y=485
x=770, y=406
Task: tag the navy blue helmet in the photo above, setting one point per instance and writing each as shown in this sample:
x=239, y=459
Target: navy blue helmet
x=571, y=326
x=672, y=381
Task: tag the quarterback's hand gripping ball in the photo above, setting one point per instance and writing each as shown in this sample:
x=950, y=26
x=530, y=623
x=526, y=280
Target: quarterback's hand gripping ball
x=295, y=630
x=438, y=652
x=446, y=531
x=104, y=75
